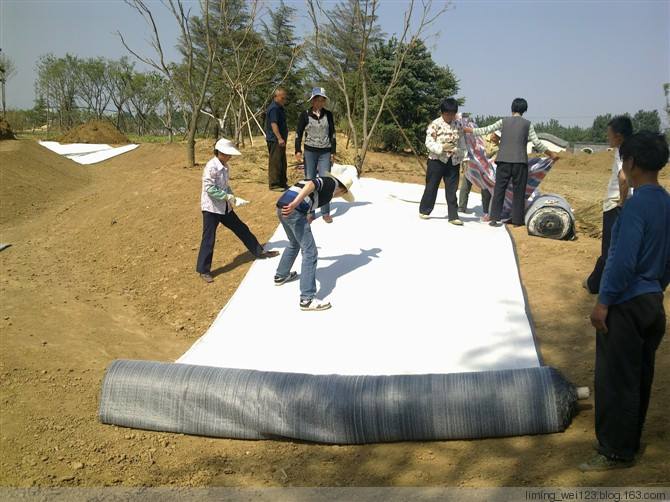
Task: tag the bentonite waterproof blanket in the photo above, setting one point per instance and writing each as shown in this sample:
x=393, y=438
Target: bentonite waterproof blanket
x=85, y=153
x=425, y=341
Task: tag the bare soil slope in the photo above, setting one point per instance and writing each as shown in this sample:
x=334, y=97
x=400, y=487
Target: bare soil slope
x=94, y=131
x=105, y=269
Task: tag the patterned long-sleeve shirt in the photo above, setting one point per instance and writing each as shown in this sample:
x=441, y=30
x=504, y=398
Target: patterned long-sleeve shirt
x=532, y=135
x=445, y=140
x=216, y=195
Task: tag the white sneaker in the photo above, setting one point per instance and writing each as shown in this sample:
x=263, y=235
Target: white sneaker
x=314, y=305
x=456, y=222
x=424, y=216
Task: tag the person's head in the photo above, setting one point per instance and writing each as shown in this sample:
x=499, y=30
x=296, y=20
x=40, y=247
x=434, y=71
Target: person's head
x=618, y=129
x=345, y=177
x=224, y=150
x=495, y=137
x=519, y=105
x=644, y=154
x=280, y=96
x=449, y=109
x=318, y=98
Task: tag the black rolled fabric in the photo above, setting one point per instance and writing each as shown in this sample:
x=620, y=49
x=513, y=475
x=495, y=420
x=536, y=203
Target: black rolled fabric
x=248, y=404
x=550, y=216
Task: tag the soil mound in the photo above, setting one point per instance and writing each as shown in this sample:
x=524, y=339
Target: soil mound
x=94, y=131
x=6, y=130
x=33, y=178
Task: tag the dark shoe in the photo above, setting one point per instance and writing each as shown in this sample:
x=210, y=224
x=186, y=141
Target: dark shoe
x=463, y=210
x=283, y=280
x=267, y=254
x=207, y=278
x=602, y=463
x=493, y=223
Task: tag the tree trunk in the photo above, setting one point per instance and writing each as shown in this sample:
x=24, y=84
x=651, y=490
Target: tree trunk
x=190, y=138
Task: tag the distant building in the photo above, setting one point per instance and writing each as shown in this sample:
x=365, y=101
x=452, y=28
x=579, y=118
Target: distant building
x=550, y=142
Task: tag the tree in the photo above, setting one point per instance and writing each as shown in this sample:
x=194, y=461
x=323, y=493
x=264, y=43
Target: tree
x=57, y=85
x=119, y=76
x=415, y=100
x=146, y=94
x=647, y=121
x=599, y=128
x=7, y=71
x=91, y=79
x=194, y=85
x=346, y=64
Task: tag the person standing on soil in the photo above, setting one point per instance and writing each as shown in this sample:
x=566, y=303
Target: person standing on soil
x=276, y=134
x=293, y=207
x=217, y=202
x=618, y=129
x=492, y=146
x=446, y=148
x=629, y=317
x=318, y=127
x=512, y=160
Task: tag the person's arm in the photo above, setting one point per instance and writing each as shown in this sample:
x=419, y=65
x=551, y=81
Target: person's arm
x=214, y=191
x=483, y=131
x=309, y=187
x=333, y=137
x=623, y=187
x=274, y=119
x=300, y=130
x=622, y=258
x=665, y=280
x=539, y=146
x=432, y=144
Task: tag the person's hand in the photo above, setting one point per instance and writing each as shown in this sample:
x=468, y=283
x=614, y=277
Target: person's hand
x=281, y=142
x=467, y=130
x=288, y=209
x=298, y=157
x=332, y=159
x=599, y=317
x=553, y=156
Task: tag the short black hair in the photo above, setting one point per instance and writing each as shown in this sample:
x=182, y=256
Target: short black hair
x=519, y=105
x=449, y=105
x=649, y=150
x=621, y=124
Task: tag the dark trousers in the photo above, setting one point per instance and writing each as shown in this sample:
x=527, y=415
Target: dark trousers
x=624, y=373
x=518, y=175
x=277, y=165
x=464, y=195
x=609, y=219
x=436, y=172
x=210, y=221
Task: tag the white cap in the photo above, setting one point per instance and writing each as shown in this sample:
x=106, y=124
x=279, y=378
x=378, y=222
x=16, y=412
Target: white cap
x=227, y=147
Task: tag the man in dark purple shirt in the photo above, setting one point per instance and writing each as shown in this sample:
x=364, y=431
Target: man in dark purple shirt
x=629, y=317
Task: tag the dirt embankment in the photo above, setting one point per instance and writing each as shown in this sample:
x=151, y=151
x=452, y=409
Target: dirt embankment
x=94, y=131
x=103, y=268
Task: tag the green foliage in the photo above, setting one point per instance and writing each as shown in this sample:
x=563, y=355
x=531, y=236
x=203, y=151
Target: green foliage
x=415, y=100
x=647, y=121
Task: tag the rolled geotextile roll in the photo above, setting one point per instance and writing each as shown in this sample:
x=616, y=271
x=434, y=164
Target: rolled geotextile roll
x=550, y=216
x=248, y=404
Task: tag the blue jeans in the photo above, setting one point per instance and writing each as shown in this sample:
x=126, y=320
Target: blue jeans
x=317, y=163
x=300, y=238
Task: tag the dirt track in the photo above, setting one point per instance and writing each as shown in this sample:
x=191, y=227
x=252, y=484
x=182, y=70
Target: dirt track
x=102, y=267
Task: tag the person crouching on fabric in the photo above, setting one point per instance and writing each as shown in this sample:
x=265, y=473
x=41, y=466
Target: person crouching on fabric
x=629, y=316
x=293, y=208
x=217, y=202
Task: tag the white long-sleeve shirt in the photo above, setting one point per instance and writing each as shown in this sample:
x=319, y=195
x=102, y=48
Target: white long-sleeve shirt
x=445, y=140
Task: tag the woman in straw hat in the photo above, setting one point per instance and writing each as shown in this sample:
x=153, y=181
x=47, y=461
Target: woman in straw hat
x=318, y=128
x=293, y=208
x=217, y=202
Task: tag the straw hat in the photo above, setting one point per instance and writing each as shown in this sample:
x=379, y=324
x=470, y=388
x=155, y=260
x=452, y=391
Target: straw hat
x=346, y=175
x=317, y=91
x=227, y=147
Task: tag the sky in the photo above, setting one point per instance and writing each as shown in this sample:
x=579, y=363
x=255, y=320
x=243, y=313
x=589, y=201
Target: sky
x=572, y=60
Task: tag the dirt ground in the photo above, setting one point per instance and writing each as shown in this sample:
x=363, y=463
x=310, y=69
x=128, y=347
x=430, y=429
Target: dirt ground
x=102, y=267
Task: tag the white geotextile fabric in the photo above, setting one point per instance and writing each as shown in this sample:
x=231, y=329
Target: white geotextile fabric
x=409, y=296
x=85, y=153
